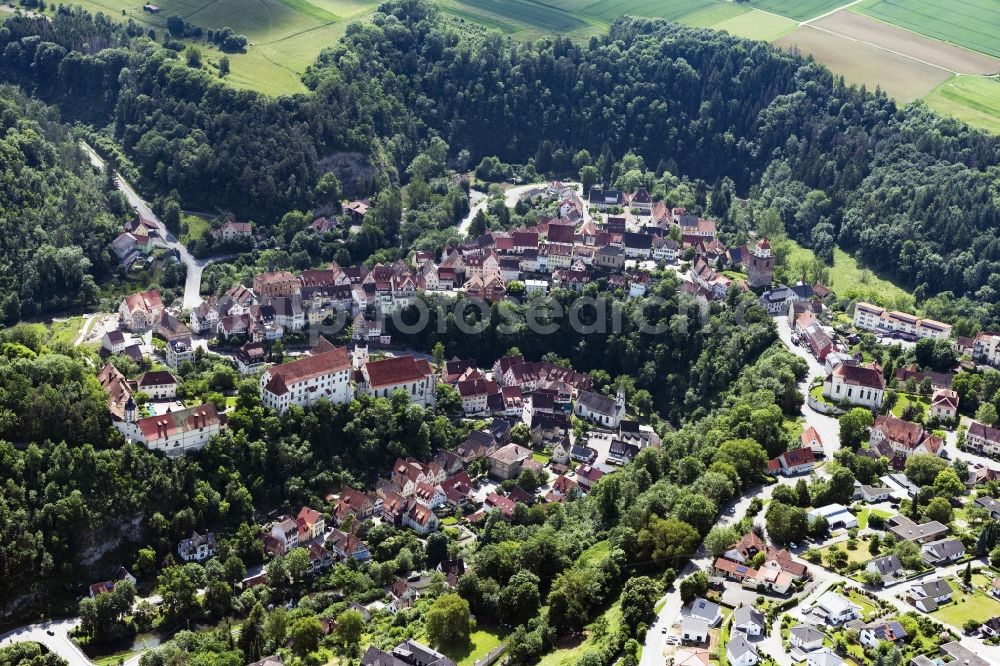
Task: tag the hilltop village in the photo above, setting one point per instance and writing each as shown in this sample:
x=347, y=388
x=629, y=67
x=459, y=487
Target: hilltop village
x=874, y=532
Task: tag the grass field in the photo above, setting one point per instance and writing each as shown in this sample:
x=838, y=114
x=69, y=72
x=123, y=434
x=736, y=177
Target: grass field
x=65, y=331
x=800, y=10
x=194, y=226
x=609, y=10
x=974, y=99
x=570, y=655
x=757, y=25
x=973, y=24
x=480, y=644
x=543, y=17
x=711, y=17
x=849, y=279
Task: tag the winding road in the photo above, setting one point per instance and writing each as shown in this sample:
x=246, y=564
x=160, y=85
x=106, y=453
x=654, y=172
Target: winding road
x=195, y=266
x=58, y=642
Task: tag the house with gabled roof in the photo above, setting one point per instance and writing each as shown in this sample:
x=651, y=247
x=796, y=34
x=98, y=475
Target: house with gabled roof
x=792, y=462
x=139, y=311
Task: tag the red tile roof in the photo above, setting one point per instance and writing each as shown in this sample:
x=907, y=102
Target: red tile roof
x=397, y=370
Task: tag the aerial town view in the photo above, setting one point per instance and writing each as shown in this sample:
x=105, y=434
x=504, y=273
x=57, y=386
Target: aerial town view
x=475, y=332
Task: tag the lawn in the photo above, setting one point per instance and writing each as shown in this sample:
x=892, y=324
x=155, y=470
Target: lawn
x=710, y=17
x=975, y=606
x=531, y=14
x=850, y=280
x=480, y=643
x=800, y=10
x=540, y=457
x=973, y=24
x=858, y=555
x=974, y=99
x=757, y=25
x=194, y=226
x=594, y=554
x=905, y=399
x=866, y=513
x=868, y=609
x=65, y=331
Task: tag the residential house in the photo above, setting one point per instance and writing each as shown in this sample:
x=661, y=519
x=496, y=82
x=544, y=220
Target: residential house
x=231, y=231
x=904, y=528
x=888, y=567
x=115, y=341
x=158, y=385
x=904, y=437
x=311, y=524
x=179, y=351
x=795, y=461
x=740, y=652
x=420, y=519
x=250, y=358
x=475, y=393
x=692, y=657
x=506, y=462
x=587, y=476
x=890, y=631
x=805, y=637
x=944, y=405
x=962, y=655
x=835, y=609
x=284, y=535
x=694, y=630
x=943, y=551
x=197, y=548
x=871, y=494
x=824, y=657
x=351, y=502
x=928, y=595
x=983, y=439
x=275, y=283
x=811, y=440
x=874, y=318
x=205, y=317
x=858, y=385
x=991, y=505
x=323, y=375
x=120, y=401
x=401, y=596
x=407, y=653
x=139, y=311
x=169, y=327
x=986, y=348
x=706, y=610
x=347, y=546
x=749, y=621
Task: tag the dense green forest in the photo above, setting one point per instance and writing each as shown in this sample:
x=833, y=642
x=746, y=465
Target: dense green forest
x=56, y=216
x=912, y=192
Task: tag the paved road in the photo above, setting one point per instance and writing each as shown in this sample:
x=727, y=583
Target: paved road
x=192, y=286
x=59, y=642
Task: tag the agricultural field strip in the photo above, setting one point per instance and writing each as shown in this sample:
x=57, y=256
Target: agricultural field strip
x=905, y=42
x=882, y=48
